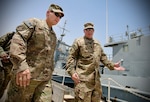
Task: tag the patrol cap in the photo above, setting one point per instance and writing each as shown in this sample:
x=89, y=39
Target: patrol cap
x=56, y=8
x=88, y=25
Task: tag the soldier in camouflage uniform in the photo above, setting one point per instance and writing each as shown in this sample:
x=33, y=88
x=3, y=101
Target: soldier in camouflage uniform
x=32, y=53
x=83, y=63
x=6, y=65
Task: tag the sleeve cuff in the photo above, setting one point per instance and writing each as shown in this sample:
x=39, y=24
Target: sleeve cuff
x=23, y=66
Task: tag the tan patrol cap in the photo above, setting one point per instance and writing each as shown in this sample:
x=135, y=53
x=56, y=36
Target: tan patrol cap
x=88, y=25
x=56, y=8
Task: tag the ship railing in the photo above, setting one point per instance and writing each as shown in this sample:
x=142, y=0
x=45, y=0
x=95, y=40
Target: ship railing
x=129, y=35
x=126, y=89
x=63, y=75
x=109, y=56
x=63, y=81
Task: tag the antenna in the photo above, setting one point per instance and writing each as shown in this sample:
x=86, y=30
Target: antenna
x=106, y=21
x=63, y=28
x=127, y=32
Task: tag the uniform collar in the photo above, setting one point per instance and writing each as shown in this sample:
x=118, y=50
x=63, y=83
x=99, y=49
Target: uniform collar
x=88, y=38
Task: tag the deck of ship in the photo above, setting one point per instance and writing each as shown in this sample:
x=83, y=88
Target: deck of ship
x=62, y=93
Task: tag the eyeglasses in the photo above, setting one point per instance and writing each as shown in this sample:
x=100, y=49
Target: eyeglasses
x=89, y=29
x=57, y=14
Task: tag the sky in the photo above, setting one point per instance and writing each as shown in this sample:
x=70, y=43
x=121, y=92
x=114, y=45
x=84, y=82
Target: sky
x=120, y=13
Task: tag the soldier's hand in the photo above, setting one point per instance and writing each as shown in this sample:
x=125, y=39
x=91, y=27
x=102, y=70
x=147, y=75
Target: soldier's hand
x=75, y=78
x=118, y=67
x=4, y=57
x=23, y=78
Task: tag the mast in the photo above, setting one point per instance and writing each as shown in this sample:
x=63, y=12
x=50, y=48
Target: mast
x=106, y=21
x=57, y=53
x=64, y=29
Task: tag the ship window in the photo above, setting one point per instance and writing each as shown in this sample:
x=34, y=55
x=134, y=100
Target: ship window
x=125, y=48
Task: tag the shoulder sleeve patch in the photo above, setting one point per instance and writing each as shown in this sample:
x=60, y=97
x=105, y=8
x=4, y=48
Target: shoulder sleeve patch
x=28, y=24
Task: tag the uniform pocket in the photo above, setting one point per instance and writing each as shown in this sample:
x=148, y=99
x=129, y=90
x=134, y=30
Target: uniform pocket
x=79, y=91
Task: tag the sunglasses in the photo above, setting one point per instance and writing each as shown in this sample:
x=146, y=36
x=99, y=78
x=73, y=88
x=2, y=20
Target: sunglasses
x=89, y=29
x=57, y=14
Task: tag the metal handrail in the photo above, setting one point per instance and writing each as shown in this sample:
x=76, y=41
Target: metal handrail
x=126, y=89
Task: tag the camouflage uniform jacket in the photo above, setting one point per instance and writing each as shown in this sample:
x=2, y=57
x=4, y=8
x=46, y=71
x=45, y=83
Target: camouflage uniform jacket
x=5, y=42
x=5, y=67
x=33, y=47
x=85, y=57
